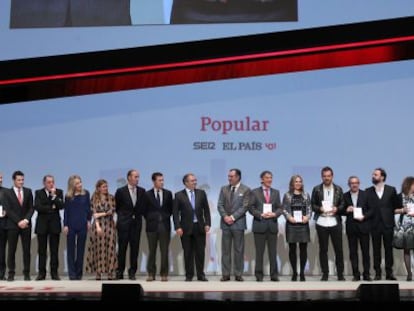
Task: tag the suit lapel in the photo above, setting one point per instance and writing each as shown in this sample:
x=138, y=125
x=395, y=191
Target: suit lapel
x=14, y=197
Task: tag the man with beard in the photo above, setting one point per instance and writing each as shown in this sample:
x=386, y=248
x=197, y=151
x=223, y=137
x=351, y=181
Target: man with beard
x=383, y=200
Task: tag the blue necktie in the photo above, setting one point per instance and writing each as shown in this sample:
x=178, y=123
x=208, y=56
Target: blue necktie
x=192, y=199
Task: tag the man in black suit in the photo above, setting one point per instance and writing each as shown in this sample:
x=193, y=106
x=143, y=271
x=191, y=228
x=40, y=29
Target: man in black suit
x=191, y=214
x=48, y=203
x=66, y=13
x=265, y=207
x=19, y=212
x=384, y=201
x=358, y=217
x=158, y=210
x=3, y=230
x=327, y=203
x=129, y=208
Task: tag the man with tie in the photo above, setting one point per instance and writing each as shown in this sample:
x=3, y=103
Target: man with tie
x=129, y=208
x=233, y=203
x=3, y=230
x=265, y=207
x=383, y=199
x=327, y=203
x=157, y=213
x=19, y=212
x=48, y=203
x=358, y=227
x=191, y=215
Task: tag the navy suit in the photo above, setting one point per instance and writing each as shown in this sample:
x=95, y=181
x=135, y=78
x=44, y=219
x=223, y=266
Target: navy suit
x=16, y=213
x=129, y=225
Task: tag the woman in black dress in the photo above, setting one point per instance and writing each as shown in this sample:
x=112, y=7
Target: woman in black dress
x=297, y=210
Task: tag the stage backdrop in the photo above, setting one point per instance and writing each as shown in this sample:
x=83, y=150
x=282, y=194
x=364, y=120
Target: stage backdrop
x=352, y=119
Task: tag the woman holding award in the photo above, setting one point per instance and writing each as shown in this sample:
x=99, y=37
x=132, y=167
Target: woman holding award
x=297, y=210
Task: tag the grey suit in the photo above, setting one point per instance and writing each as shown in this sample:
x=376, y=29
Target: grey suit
x=237, y=208
x=265, y=230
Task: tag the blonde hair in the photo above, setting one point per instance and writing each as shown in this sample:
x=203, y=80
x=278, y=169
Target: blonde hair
x=96, y=197
x=71, y=186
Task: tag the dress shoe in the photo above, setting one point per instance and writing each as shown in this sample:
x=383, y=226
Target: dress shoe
x=188, y=279
x=294, y=277
x=409, y=277
x=324, y=277
x=119, y=277
x=239, y=278
x=10, y=278
x=377, y=277
x=132, y=277
x=55, y=277
x=27, y=277
x=150, y=278
x=367, y=278
x=202, y=279
x=356, y=278
x=274, y=279
x=391, y=278
x=40, y=277
x=225, y=278
x=341, y=278
x=2, y=278
x=302, y=278
x=258, y=279
x=164, y=278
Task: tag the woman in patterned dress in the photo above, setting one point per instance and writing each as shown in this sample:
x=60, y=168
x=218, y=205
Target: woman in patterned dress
x=102, y=242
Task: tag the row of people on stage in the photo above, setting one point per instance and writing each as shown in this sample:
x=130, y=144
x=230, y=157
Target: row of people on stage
x=369, y=213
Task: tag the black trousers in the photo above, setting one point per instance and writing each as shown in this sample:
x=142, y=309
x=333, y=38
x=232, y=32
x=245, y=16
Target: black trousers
x=386, y=236
x=335, y=233
x=363, y=239
x=163, y=238
x=260, y=241
x=194, y=246
x=129, y=235
x=303, y=257
x=42, y=240
x=3, y=244
x=12, y=239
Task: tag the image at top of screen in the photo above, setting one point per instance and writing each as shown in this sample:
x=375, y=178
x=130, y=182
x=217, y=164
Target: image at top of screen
x=81, y=13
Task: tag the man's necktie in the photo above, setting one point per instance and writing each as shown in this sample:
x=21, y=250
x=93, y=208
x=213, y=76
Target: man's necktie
x=267, y=196
x=134, y=196
x=158, y=198
x=192, y=199
x=19, y=196
x=233, y=189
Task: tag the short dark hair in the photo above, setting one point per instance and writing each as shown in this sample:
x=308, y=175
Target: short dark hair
x=383, y=172
x=327, y=169
x=262, y=174
x=48, y=176
x=185, y=177
x=155, y=175
x=237, y=171
x=130, y=172
x=17, y=173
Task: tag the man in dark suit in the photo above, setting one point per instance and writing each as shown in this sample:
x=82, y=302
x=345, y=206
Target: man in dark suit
x=3, y=230
x=19, y=212
x=129, y=208
x=48, y=203
x=191, y=214
x=358, y=227
x=66, y=13
x=266, y=208
x=233, y=203
x=157, y=213
x=383, y=200
x=327, y=203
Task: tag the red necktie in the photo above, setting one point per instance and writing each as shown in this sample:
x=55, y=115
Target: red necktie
x=267, y=196
x=19, y=196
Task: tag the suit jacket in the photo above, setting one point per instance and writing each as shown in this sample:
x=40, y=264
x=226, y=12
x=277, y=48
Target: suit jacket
x=338, y=201
x=15, y=212
x=236, y=208
x=127, y=213
x=355, y=226
x=183, y=213
x=3, y=202
x=48, y=216
x=383, y=209
x=155, y=214
x=261, y=225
